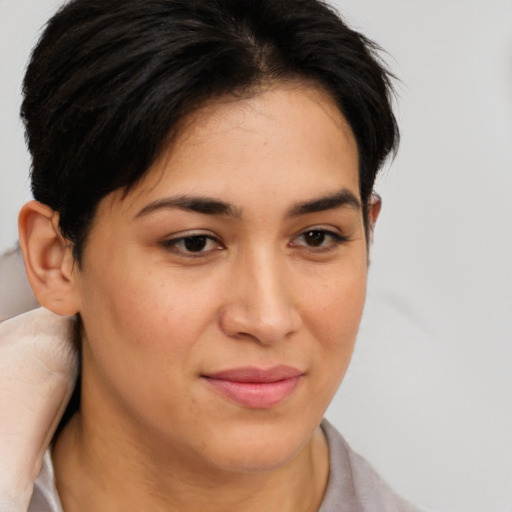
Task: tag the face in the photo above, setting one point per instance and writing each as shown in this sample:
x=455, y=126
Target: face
x=221, y=296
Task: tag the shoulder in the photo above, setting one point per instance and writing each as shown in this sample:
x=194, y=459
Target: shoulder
x=354, y=484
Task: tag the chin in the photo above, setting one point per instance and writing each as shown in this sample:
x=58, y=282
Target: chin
x=257, y=448
x=256, y=460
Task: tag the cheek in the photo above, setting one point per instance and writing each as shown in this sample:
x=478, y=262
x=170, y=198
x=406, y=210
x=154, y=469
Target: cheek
x=141, y=339
x=333, y=312
x=144, y=321
x=143, y=311
x=334, y=307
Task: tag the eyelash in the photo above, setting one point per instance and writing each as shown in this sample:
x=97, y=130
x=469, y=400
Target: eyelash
x=336, y=239
x=172, y=244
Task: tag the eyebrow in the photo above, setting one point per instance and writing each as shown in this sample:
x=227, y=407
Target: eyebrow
x=343, y=198
x=204, y=205
x=211, y=206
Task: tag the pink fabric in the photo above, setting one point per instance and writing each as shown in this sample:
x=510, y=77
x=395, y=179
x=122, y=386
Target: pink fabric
x=38, y=366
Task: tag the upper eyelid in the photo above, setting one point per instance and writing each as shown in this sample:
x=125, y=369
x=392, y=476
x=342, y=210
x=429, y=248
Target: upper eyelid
x=208, y=234
x=176, y=238
x=180, y=235
x=325, y=229
x=327, y=232
x=171, y=244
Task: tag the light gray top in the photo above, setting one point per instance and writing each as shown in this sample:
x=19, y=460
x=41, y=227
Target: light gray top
x=353, y=485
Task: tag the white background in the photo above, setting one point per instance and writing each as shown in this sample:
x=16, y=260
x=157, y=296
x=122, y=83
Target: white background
x=428, y=399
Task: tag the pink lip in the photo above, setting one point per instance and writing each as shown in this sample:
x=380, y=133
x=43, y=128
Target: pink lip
x=254, y=387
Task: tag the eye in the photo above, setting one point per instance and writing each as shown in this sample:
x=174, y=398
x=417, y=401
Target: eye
x=315, y=238
x=318, y=239
x=193, y=245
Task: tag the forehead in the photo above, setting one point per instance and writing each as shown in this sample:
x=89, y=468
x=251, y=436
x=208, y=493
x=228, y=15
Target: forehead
x=289, y=142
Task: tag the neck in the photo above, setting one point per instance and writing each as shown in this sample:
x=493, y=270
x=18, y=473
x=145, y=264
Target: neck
x=123, y=471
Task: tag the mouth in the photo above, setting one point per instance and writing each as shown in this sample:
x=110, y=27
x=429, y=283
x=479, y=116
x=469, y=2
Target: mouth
x=256, y=388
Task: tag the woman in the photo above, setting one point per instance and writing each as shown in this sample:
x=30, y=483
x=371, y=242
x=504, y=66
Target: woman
x=203, y=175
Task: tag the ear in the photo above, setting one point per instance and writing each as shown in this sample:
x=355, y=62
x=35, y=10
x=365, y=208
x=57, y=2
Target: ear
x=48, y=259
x=374, y=207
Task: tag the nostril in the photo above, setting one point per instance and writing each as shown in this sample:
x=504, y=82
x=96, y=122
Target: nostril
x=264, y=327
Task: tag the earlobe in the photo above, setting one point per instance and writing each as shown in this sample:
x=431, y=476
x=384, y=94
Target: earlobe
x=48, y=259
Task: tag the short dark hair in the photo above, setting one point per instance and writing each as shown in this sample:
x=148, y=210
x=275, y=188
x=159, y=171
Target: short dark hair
x=109, y=82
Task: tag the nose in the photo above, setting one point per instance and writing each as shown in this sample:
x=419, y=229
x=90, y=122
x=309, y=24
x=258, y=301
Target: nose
x=260, y=304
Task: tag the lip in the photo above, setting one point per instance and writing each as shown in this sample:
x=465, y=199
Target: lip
x=256, y=388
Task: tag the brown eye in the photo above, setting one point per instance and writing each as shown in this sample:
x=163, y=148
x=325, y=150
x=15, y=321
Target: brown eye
x=195, y=243
x=314, y=238
x=318, y=240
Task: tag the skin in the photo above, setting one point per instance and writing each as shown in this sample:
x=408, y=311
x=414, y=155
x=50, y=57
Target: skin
x=273, y=281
